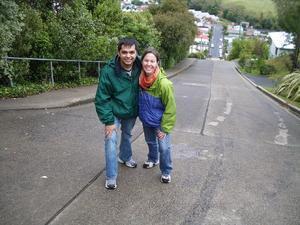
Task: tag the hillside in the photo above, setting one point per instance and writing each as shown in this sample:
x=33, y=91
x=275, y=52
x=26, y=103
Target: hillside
x=257, y=7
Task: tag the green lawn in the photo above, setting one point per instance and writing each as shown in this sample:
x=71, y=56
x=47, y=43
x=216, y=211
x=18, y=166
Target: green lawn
x=255, y=6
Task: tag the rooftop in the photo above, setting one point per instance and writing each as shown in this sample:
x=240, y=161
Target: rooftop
x=282, y=40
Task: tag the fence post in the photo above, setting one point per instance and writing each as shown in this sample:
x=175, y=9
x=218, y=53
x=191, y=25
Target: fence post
x=98, y=67
x=79, y=70
x=52, y=78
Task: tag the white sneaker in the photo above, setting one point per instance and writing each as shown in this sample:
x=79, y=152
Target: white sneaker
x=111, y=184
x=131, y=163
x=149, y=164
x=165, y=178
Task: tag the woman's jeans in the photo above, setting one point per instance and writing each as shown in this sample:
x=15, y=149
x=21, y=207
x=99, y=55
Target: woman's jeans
x=111, y=144
x=163, y=147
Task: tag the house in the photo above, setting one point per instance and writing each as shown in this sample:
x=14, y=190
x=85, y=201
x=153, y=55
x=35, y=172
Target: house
x=281, y=43
x=204, y=17
x=204, y=22
x=201, y=41
x=235, y=30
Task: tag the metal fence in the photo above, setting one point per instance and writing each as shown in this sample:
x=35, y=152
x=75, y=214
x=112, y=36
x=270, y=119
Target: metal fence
x=78, y=61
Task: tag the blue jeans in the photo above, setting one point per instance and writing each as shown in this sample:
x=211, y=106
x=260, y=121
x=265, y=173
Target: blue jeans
x=163, y=147
x=111, y=144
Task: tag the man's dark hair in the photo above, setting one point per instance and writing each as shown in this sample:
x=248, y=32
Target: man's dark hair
x=129, y=42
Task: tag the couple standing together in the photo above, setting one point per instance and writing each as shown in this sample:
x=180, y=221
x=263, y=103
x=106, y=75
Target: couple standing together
x=130, y=87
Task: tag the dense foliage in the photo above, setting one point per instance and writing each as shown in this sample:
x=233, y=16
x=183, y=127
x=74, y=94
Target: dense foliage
x=252, y=54
x=65, y=29
x=290, y=86
x=10, y=26
x=177, y=28
x=199, y=55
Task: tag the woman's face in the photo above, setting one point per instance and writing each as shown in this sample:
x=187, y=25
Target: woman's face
x=149, y=64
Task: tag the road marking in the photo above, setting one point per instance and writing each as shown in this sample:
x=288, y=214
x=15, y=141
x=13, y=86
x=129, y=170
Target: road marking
x=226, y=112
x=195, y=84
x=221, y=118
x=282, y=137
x=213, y=123
x=193, y=131
x=228, y=108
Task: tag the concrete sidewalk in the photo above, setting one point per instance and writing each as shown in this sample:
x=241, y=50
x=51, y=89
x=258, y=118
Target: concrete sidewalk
x=70, y=96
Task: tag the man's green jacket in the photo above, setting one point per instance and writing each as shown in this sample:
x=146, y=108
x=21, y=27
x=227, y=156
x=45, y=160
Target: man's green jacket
x=117, y=92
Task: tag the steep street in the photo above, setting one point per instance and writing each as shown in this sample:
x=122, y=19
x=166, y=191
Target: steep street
x=235, y=153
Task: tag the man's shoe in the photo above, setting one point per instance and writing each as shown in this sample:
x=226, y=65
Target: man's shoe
x=165, y=179
x=148, y=164
x=130, y=163
x=111, y=184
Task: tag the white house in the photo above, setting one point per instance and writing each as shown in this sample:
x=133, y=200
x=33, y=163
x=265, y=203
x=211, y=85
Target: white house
x=204, y=16
x=235, y=30
x=281, y=43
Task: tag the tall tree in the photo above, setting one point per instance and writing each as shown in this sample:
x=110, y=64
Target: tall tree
x=108, y=18
x=176, y=25
x=142, y=27
x=10, y=25
x=46, y=5
x=33, y=40
x=288, y=18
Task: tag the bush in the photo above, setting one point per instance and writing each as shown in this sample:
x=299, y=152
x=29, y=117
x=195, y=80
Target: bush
x=198, y=55
x=282, y=65
x=267, y=69
x=15, y=71
x=290, y=86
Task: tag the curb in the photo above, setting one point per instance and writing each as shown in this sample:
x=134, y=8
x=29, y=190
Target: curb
x=64, y=104
x=282, y=102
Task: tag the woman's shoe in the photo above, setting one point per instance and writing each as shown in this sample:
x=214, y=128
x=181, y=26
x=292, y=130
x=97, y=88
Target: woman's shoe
x=149, y=164
x=165, y=178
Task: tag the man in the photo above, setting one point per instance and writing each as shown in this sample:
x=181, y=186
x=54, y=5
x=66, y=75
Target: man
x=117, y=106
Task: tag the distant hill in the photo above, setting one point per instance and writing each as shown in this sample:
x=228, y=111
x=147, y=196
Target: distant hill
x=255, y=7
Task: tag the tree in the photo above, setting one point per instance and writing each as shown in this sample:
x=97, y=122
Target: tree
x=177, y=29
x=210, y=6
x=33, y=40
x=108, y=18
x=10, y=25
x=234, y=12
x=141, y=26
x=46, y=5
x=288, y=18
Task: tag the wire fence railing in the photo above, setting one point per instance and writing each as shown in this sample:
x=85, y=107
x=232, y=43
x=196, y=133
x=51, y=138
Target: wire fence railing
x=79, y=62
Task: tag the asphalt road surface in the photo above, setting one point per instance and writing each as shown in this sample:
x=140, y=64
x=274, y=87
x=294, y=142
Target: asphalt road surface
x=216, y=47
x=236, y=156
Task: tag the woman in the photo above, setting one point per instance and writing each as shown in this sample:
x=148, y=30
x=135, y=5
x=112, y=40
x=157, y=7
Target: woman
x=157, y=111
